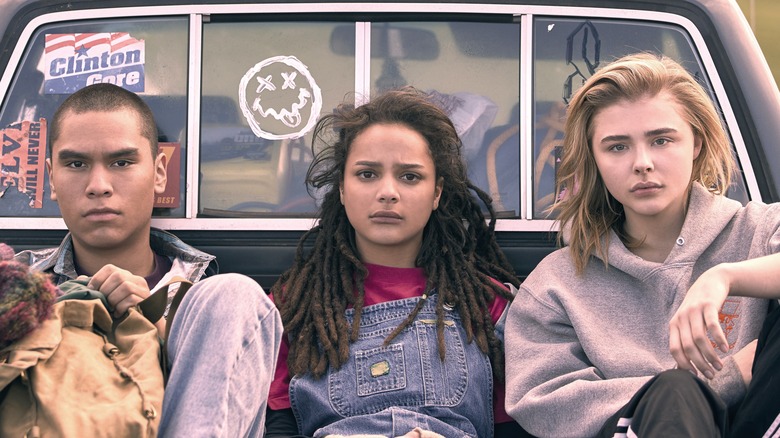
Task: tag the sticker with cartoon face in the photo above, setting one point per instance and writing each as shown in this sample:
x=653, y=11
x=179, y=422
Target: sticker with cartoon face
x=279, y=98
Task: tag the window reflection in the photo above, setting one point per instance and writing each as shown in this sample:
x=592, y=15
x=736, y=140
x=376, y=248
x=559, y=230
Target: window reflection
x=566, y=53
x=96, y=51
x=264, y=87
x=473, y=69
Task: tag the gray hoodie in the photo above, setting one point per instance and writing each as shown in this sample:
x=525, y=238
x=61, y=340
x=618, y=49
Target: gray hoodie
x=579, y=347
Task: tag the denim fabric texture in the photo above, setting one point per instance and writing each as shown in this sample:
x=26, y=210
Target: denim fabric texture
x=390, y=390
x=223, y=347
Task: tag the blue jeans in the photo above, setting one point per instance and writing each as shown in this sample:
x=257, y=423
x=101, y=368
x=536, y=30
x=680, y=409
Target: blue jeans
x=389, y=390
x=223, y=346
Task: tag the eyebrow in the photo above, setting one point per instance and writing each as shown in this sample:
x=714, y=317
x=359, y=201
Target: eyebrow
x=68, y=154
x=614, y=138
x=651, y=133
x=660, y=131
x=378, y=164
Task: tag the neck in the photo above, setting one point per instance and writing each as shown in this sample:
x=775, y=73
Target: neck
x=396, y=257
x=138, y=259
x=656, y=235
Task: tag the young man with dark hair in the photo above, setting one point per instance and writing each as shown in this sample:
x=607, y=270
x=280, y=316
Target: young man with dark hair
x=105, y=170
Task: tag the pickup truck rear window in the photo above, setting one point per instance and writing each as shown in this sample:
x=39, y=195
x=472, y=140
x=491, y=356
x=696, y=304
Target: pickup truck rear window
x=148, y=55
x=261, y=81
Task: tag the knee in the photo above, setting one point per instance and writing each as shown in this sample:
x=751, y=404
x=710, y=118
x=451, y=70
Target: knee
x=228, y=286
x=676, y=377
x=677, y=403
x=676, y=381
x=232, y=291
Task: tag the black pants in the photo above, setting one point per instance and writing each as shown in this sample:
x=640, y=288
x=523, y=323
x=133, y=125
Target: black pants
x=675, y=403
x=759, y=412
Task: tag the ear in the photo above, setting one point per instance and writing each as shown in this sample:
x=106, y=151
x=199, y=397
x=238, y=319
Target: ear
x=160, y=173
x=341, y=193
x=437, y=192
x=53, y=195
x=697, y=144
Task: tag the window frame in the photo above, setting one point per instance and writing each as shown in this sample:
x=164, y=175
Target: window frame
x=525, y=14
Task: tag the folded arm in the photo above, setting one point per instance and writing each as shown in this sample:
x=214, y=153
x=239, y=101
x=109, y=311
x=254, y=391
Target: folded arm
x=696, y=320
x=553, y=389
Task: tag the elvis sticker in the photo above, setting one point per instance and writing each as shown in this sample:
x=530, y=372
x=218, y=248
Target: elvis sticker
x=22, y=160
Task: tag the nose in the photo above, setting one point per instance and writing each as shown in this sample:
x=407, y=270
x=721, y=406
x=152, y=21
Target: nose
x=388, y=190
x=99, y=183
x=643, y=160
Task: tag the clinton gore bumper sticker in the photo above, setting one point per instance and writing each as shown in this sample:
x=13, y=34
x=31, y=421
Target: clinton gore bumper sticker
x=76, y=60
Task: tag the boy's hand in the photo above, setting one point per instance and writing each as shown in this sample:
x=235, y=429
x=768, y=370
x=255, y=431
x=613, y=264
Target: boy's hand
x=122, y=289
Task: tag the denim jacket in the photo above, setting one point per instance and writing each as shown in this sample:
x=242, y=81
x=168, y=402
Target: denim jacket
x=390, y=390
x=188, y=262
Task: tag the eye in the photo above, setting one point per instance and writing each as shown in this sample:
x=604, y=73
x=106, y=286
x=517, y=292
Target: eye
x=366, y=174
x=122, y=163
x=661, y=141
x=617, y=147
x=75, y=164
x=410, y=177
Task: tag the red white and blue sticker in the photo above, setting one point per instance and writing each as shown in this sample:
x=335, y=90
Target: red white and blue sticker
x=76, y=60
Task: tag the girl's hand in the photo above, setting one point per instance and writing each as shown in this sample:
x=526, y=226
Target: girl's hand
x=697, y=317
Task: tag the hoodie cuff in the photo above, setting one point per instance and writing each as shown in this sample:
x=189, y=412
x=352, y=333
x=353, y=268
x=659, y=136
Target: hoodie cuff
x=728, y=383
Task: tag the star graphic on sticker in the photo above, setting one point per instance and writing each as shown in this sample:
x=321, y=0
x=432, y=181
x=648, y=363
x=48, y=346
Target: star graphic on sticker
x=81, y=51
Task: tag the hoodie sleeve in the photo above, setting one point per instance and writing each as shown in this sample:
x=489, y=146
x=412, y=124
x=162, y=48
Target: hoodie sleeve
x=551, y=387
x=774, y=240
x=772, y=223
x=728, y=383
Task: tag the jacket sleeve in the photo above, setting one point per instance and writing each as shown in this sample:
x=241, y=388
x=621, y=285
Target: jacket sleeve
x=551, y=387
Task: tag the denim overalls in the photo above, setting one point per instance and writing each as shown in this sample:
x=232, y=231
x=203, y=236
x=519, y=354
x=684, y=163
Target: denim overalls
x=389, y=390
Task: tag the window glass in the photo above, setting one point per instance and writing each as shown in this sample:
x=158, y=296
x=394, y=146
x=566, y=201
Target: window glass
x=258, y=99
x=474, y=68
x=147, y=56
x=264, y=86
x=566, y=53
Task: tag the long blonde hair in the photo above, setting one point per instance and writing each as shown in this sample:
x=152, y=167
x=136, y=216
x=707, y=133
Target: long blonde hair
x=586, y=210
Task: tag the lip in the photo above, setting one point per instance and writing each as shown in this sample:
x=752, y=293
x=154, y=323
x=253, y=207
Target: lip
x=385, y=216
x=100, y=214
x=645, y=187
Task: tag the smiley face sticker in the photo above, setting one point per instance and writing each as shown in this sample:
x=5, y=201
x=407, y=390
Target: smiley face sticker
x=279, y=98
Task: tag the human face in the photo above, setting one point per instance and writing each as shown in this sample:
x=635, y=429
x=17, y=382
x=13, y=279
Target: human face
x=389, y=192
x=104, y=178
x=644, y=151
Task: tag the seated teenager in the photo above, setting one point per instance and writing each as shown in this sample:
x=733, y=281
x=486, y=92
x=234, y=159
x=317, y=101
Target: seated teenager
x=393, y=319
x=104, y=170
x=613, y=334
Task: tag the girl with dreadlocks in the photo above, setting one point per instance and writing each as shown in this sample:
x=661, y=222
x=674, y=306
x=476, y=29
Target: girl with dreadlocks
x=660, y=271
x=393, y=317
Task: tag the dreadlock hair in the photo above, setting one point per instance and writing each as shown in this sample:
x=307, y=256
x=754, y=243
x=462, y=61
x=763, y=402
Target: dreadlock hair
x=459, y=253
